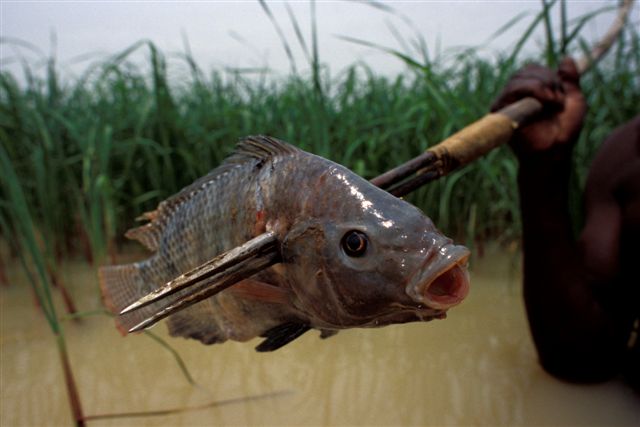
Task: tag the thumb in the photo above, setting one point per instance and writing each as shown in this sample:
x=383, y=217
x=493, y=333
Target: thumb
x=568, y=73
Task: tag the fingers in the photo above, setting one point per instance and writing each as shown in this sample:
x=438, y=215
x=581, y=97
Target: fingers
x=572, y=117
x=569, y=75
x=537, y=72
x=575, y=105
x=564, y=106
x=568, y=71
x=535, y=81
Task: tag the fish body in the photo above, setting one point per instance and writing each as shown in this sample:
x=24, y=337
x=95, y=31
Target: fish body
x=352, y=255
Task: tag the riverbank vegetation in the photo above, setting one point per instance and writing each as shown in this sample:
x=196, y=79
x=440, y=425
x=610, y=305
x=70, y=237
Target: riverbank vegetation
x=92, y=154
x=82, y=158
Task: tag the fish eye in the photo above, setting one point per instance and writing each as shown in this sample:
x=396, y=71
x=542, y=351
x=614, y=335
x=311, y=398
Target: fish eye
x=354, y=243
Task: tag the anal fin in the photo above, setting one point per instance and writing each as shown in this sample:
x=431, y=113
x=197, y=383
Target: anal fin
x=281, y=335
x=327, y=333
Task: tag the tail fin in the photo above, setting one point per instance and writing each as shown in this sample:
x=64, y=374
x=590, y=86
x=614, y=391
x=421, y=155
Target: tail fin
x=120, y=286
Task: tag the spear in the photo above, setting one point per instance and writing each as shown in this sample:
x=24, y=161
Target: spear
x=241, y=262
x=490, y=132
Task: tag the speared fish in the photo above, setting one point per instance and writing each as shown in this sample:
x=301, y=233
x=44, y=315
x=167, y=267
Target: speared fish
x=277, y=241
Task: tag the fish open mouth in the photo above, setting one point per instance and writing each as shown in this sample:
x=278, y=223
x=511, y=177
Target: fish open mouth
x=449, y=288
x=444, y=280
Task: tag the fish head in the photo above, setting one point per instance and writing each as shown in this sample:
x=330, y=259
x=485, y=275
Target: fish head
x=371, y=260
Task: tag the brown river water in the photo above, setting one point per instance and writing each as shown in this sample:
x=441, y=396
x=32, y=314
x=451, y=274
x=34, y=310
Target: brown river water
x=478, y=367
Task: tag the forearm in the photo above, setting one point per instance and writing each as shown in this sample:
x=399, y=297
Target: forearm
x=567, y=322
x=543, y=183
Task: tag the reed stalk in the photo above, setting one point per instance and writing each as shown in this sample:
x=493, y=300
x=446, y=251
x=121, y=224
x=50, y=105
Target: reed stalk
x=15, y=208
x=81, y=158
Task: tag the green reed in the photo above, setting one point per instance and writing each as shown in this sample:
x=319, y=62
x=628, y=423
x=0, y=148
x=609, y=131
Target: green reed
x=82, y=158
x=16, y=221
x=95, y=152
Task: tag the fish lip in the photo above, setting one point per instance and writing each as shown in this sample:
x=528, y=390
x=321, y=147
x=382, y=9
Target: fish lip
x=447, y=259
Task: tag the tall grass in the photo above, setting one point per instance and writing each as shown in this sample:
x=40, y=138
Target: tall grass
x=95, y=153
x=16, y=214
x=82, y=158
x=91, y=154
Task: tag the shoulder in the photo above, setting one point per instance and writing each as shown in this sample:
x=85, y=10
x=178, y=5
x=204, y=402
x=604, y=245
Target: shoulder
x=619, y=153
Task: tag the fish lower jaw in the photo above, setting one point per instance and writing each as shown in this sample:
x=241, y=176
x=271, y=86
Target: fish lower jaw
x=445, y=282
x=448, y=289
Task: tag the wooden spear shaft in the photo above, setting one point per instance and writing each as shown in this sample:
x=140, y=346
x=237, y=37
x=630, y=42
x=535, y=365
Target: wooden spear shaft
x=482, y=136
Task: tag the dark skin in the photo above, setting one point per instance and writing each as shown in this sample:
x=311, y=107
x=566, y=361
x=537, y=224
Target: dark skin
x=582, y=297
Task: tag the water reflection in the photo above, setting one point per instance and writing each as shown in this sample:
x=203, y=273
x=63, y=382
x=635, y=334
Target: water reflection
x=477, y=367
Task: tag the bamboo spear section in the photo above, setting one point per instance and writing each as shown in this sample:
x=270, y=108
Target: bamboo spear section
x=487, y=133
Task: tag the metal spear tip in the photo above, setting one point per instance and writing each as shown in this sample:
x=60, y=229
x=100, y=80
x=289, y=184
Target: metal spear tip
x=255, y=247
x=210, y=278
x=142, y=325
x=147, y=299
x=213, y=285
x=184, y=280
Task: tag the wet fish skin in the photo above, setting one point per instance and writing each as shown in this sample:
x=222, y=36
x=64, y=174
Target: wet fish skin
x=310, y=203
x=363, y=291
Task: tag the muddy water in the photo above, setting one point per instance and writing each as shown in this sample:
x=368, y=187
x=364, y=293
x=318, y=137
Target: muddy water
x=477, y=367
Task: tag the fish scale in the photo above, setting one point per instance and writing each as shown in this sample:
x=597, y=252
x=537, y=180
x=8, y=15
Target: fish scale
x=192, y=232
x=309, y=204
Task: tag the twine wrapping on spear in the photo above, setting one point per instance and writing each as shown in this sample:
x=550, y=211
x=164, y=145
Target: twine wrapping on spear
x=485, y=134
x=260, y=252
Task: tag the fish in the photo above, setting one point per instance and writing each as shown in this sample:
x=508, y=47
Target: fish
x=277, y=241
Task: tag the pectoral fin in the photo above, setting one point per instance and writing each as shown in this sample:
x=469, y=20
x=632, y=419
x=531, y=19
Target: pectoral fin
x=260, y=291
x=210, y=278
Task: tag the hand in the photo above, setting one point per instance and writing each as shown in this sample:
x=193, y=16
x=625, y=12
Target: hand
x=564, y=106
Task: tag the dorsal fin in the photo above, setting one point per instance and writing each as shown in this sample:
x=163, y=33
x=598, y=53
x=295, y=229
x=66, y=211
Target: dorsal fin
x=253, y=148
x=259, y=147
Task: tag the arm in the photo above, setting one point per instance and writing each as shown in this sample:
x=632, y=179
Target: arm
x=574, y=336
